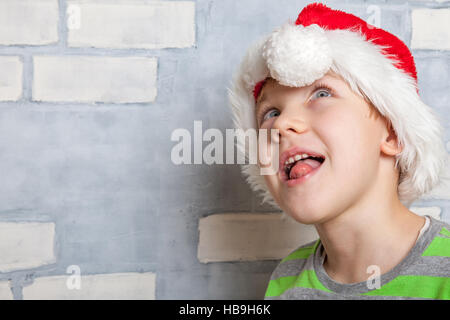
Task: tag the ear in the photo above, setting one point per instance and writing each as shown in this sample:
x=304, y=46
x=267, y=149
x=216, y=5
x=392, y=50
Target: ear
x=389, y=143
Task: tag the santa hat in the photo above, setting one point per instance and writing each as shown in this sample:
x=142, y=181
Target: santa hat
x=374, y=63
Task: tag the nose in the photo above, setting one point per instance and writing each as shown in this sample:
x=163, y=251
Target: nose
x=290, y=122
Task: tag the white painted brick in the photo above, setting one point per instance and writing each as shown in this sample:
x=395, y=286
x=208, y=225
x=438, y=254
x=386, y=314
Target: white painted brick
x=113, y=286
x=430, y=29
x=435, y=212
x=132, y=24
x=94, y=79
x=247, y=237
x=28, y=22
x=5, y=291
x=26, y=245
x=10, y=78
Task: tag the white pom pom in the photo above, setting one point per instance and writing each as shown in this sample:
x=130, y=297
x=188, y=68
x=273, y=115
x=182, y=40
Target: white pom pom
x=296, y=55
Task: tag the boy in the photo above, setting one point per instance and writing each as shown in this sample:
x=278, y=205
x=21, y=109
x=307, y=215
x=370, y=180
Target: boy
x=357, y=146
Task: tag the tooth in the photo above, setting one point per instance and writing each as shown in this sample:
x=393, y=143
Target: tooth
x=297, y=157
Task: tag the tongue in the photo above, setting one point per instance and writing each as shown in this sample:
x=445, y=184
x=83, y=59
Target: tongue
x=303, y=167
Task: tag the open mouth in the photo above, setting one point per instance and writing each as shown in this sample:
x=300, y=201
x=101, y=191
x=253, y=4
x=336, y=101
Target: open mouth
x=299, y=166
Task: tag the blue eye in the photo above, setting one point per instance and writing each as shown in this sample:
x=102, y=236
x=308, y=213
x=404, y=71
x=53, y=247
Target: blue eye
x=329, y=94
x=271, y=112
x=320, y=88
x=323, y=88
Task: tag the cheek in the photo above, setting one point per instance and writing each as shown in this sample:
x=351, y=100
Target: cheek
x=267, y=124
x=350, y=139
x=268, y=148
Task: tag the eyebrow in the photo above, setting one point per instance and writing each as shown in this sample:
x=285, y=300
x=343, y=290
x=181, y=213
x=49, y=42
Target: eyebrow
x=263, y=96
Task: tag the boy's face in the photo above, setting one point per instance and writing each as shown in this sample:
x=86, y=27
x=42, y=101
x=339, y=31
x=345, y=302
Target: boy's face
x=337, y=124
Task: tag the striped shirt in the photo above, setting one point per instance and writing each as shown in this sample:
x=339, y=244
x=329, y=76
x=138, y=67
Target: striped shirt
x=423, y=274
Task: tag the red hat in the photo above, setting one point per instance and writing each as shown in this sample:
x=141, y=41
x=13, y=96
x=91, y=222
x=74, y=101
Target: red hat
x=329, y=19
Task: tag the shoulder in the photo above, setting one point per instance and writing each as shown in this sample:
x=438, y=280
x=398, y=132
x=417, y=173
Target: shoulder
x=425, y=273
x=438, y=244
x=443, y=226
x=439, y=228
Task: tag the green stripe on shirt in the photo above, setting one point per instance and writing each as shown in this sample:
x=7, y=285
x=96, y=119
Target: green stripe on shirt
x=439, y=247
x=302, y=253
x=415, y=287
x=445, y=232
x=306, y=279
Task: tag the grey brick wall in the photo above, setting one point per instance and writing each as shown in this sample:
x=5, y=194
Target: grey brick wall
x=89, y=95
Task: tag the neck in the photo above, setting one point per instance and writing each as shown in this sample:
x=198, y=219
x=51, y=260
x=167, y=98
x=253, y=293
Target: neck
x=372, y=232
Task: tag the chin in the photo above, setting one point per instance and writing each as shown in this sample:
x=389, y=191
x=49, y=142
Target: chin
x=304, y=217
x=303, y=214
x=310, y=211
